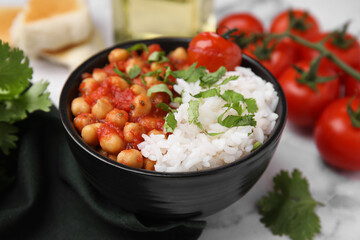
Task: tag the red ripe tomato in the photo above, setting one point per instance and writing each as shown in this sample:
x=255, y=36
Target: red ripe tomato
x=304, y=103
x=244, y=22
x=336, y=138
x=349, y=54
x=280, y=58
x=308, y=28
x=352, y=85
x=213, y=51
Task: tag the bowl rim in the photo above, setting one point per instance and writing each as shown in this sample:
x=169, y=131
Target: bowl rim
x=276, y=132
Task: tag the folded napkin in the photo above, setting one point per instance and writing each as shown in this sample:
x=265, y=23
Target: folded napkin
x=50, y=199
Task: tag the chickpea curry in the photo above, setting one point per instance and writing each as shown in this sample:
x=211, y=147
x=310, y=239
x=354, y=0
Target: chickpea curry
x=118, y=103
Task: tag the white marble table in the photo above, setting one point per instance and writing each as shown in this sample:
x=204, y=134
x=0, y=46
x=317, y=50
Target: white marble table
x=339, y=191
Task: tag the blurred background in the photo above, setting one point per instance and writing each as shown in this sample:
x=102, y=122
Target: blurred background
x=176, y=20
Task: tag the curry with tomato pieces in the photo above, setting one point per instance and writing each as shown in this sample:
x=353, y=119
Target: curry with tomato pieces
x=118, y=103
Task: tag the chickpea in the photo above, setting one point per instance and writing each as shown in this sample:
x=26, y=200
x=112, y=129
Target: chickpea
x=131, y=158
x=99, y=75
x=88, y=85
x=118, y=54
x=133, y=132
x=119, y=82
x=111, y=142
x=149, y=164
x=79, y=105
x=156, y=132
x=84, y=119
x=180, y=54
x=101, y=108
x=137, y=89
x=130, y=63
x=150, y=81
x=89, y=134
x=141, y=106
x=117, y=117
x=155, y=66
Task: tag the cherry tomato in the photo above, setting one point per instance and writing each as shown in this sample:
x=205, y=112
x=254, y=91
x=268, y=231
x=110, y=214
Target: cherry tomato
x=304, y=103
x=303, y=25
x=336, y=138
x=244, y=22
x=350, y=54
x=352, y=85
x=308, y=28
x=213, y=51
x=280, y=58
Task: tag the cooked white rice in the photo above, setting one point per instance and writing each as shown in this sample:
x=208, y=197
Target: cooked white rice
x=189, y=149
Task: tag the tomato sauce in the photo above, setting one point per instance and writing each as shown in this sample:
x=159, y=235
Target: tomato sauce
x=104, y=98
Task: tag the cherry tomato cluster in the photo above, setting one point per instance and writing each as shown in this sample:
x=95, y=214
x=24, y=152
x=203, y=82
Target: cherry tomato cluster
x=317, y=90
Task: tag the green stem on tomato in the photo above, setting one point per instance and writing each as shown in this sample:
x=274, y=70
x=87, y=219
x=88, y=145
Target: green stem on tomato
x=321, y=49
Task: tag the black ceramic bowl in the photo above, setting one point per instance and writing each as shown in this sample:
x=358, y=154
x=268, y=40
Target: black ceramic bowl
x=168, y=195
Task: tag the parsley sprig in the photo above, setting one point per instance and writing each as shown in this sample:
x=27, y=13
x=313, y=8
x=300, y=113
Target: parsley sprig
x=17, y=97
x=290, y=208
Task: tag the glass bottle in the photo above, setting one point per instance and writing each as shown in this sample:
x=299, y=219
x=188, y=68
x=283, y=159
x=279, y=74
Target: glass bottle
x=140, y=19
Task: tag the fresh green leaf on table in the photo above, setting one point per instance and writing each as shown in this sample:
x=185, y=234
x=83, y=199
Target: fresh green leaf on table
x=290, y=208
x=35, y=98
x=17, y=99
x=14, y=72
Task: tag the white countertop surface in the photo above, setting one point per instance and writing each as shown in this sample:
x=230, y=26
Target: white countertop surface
x=339, y=191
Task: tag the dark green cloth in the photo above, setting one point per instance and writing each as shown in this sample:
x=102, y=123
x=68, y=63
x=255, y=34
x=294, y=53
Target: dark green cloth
x=50, y=199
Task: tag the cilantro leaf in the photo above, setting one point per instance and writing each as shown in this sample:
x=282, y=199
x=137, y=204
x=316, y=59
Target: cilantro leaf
x=192, y=74
x=228, y=79
x=256, y=145
x=164, y=107
x=251, y=105
x=35, y=98
x=14, y=72
x=17, y=99
x=232, y=96
x=158, y=57
x=134, y=71
x=289, y=209
x=160, y=88
x=138, y=47
x=209, y=79
x=170, y=122
x=193, y=111
x=237, y=120
x=193, y=115
x=7, y=137
x=212, y=92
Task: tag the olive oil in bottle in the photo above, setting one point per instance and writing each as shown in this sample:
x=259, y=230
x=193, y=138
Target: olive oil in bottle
x=139, y=19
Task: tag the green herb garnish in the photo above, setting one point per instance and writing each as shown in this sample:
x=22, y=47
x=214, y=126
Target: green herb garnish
x=193, y=115
x=158, y=57
x=290, y=208
x=170, y=122
x=17, y=99
x=138, y=47
x=122, y=74
x=160, y=88
x=134, y=71
x=211, y=78
x=192, y=74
